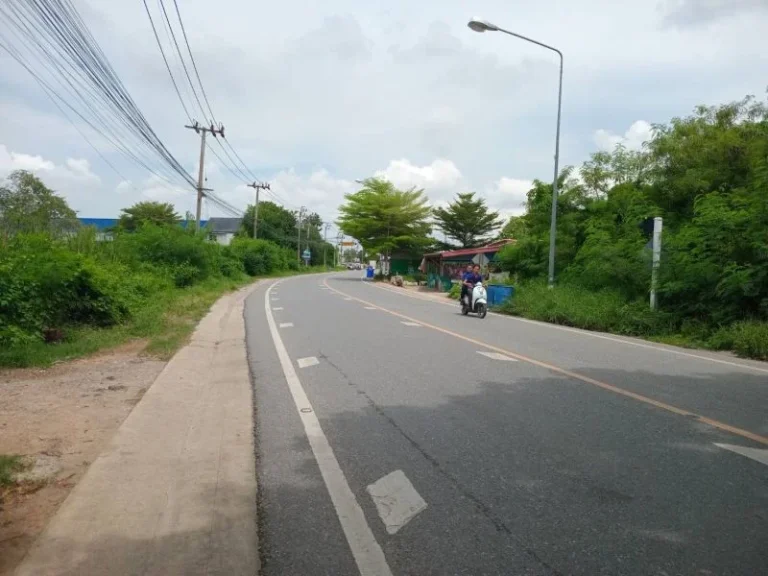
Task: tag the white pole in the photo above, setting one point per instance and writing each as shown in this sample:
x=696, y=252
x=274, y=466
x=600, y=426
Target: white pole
x=657, y=223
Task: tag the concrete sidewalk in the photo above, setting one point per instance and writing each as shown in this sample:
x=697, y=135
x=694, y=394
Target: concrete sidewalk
x=175, y=491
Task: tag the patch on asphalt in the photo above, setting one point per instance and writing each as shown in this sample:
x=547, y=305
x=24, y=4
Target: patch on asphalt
x=396, y=500
x=307, y=362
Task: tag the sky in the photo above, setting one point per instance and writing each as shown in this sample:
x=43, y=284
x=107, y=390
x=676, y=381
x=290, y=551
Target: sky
x=317, y=95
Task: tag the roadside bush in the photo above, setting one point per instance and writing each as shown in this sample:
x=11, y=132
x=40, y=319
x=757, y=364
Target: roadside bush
x=45, y=286
x=172, y=247
x=259, y=257
x=455, y=291
x=579, y=307
x=750, y=339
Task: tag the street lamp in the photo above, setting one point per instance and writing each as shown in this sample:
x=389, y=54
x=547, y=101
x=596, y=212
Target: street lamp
x=479, y=25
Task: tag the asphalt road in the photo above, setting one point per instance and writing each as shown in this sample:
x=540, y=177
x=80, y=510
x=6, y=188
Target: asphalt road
x=395, y=436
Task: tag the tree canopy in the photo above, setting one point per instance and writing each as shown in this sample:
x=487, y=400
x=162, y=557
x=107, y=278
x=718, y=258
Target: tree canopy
x=157, y=213
x=29, y=206
x=467, y=220
x=707, y=176
x=383, y=218
x=279, y=225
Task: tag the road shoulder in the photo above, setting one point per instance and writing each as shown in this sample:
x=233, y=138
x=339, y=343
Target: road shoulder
x=175, y=490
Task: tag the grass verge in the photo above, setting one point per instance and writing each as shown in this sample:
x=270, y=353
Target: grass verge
x=166, y=321
x=608, y=311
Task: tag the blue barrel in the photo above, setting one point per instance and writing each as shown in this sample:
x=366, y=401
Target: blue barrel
x=369, y=272
x=499, y=293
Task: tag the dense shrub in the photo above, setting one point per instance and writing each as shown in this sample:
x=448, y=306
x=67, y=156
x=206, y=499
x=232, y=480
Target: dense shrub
x=169, y=246
x=48, y=285
x=570, y=305
x=259, y=257
x=45, y=286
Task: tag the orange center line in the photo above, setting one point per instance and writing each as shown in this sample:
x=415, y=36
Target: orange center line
x=573, y=375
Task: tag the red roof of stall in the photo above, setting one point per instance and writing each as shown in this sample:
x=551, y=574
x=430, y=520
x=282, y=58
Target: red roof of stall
x=492, y=247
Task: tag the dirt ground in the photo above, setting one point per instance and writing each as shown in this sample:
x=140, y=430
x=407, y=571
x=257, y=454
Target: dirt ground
x=60, y=419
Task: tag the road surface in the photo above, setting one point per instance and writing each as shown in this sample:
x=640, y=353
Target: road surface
x=395, y=436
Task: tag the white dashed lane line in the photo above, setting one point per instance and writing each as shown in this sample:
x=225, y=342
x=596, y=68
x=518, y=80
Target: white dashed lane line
x=754, y=453
x=286, y=325
x=496, y=356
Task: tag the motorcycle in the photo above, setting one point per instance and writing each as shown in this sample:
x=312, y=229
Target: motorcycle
x=479, y=302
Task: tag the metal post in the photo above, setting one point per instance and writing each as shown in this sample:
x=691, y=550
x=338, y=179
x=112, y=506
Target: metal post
x=298, y=243
x=485, y=26
x=553, y=217
x=657, y=224
x=200, y=174
x=325, y=242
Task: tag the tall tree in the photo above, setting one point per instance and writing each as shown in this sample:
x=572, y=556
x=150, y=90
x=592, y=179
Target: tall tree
x=27, y=205
x=157, y=213
x=467, y=220
x=275, y=223
x=383, y=218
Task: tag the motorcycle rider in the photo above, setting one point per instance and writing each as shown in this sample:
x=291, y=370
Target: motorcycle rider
x=468, y=280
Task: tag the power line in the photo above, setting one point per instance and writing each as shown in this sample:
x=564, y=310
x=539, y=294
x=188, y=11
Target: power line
x=53, y=32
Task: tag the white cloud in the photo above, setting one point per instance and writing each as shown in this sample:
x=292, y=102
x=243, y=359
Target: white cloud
x=440, y=176
x=637, y=134
x=10, y=161
x=156, y=189
x=508, y=196
x=81, y=168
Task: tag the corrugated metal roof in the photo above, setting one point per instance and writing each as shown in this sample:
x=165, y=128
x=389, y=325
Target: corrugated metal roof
x=106, y=223
x=218, y=225
x=457, y=254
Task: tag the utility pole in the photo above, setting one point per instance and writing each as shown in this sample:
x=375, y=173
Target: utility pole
x=298, y=225
x=325, y=242
x=202, y=130
x=336, y=251
x=258, y=186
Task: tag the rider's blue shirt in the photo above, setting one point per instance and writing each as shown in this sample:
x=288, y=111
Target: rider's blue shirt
x=471, y=277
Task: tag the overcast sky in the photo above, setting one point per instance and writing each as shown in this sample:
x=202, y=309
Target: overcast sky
x=316, y=95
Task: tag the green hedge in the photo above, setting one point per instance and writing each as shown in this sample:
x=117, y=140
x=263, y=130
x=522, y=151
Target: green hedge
x=48, y=286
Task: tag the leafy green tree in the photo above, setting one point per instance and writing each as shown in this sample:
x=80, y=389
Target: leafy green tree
x=515, y=228
x=29, y=206
x=157, y=213
x=467, y=220
x=383, y=219
x=275, y=223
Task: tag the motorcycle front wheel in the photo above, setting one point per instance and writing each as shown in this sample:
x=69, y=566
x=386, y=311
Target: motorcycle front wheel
x=482, y=310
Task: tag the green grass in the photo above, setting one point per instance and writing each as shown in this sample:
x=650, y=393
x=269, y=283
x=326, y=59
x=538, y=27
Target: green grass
x=166, y=321
x=608, y=311
x=8, y=466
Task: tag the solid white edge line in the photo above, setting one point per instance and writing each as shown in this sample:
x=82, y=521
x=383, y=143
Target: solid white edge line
x=368, y=555
x=590, y=334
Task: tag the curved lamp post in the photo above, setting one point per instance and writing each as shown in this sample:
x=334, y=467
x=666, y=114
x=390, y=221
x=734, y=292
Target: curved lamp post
x=483, y=26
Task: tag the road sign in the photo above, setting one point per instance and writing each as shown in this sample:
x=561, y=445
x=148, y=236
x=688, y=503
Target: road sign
x=306, y=255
